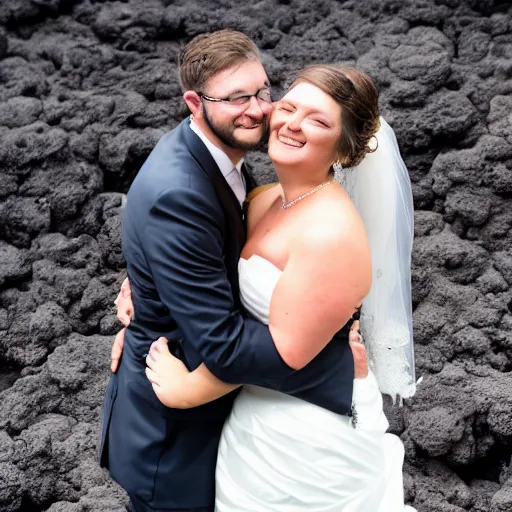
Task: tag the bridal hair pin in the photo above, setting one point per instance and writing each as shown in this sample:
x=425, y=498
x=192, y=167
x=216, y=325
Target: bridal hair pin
x=373, y=144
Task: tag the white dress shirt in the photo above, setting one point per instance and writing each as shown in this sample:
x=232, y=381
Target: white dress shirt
x=232, y=174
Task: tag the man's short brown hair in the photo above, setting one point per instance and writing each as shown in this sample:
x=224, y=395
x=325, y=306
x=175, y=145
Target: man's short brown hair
x=209, y=54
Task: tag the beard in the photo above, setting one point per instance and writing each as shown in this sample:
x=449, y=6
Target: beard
x=227, y=136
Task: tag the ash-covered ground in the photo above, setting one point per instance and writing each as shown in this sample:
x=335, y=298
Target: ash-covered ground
x=88, y=87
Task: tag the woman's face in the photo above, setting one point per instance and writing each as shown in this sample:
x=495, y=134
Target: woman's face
x=305, y=128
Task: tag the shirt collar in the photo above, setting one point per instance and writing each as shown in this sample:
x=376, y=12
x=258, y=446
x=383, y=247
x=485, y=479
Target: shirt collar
x=221, y=159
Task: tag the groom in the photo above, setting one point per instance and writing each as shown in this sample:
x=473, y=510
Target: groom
x=183, y=232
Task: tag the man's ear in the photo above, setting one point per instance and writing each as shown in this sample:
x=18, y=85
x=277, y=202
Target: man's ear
x=193, y=102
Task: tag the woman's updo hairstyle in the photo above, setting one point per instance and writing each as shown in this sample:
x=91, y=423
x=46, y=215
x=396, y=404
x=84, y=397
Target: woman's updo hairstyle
x=358, y=97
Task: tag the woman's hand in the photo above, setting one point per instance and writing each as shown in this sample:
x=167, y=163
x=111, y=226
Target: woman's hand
x=167, y=375
x=117, y=350
x=175, y=386
x=124, y=304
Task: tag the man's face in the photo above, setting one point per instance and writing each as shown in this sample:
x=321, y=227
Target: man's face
x=242, y=123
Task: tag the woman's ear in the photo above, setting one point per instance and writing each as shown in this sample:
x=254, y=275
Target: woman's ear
x=193, y=101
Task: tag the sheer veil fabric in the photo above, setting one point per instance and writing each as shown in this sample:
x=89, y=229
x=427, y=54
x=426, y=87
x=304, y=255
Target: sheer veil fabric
x=381, y=191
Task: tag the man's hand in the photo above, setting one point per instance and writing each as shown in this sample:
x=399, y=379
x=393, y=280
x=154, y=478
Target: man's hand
x=358, y=351
x=124, y=304
x=117, y=350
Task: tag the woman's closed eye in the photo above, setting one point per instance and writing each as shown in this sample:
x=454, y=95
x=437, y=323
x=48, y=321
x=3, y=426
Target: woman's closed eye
x=320, y=122
x=285, y=107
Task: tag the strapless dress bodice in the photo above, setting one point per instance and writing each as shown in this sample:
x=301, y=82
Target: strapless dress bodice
x=258, y=278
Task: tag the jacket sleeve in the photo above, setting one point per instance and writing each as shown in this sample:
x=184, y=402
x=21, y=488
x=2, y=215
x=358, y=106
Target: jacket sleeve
x=184, y=245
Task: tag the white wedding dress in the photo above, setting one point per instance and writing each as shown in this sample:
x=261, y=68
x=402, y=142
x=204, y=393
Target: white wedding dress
x=282, y=454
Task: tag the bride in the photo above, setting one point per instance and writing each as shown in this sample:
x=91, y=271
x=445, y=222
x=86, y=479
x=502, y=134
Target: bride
x=336, y=230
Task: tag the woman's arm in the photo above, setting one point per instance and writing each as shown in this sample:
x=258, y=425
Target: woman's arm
x=175, y=386
x=327, y=275
x=179, y=388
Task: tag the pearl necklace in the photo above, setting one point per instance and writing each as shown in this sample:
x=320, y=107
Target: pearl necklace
x=312, y=191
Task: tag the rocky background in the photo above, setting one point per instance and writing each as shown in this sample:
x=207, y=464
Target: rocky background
x=88, y=87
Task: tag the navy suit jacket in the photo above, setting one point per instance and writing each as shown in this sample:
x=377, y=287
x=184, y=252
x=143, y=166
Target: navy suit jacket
x=183, y=233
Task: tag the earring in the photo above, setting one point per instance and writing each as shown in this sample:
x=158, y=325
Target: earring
x=338, y=171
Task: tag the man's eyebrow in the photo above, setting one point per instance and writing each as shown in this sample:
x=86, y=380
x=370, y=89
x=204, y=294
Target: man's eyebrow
x=242, y=91
x=238, y=91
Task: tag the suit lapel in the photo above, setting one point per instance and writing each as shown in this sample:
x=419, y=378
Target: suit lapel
x=227, y=197
x=250, y=184
x=249, y=181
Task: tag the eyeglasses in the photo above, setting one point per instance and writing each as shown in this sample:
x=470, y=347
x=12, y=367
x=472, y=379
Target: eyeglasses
x=242, y=100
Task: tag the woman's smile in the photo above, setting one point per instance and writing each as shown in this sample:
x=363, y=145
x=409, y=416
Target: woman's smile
x=290, y=142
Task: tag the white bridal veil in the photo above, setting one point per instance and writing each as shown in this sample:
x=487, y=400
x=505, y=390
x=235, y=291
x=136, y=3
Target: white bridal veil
x=381, y=190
